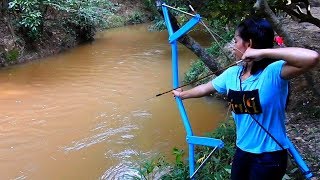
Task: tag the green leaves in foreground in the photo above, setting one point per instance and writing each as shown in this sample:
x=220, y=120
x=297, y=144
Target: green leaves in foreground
x=218, y=166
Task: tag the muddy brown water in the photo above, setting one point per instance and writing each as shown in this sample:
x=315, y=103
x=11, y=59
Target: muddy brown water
x=82, y=114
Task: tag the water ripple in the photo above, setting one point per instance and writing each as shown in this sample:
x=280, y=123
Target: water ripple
x=121, y=171
x=87, y=142
x=141, y=113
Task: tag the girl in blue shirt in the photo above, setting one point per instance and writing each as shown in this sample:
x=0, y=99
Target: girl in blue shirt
x=257, y=92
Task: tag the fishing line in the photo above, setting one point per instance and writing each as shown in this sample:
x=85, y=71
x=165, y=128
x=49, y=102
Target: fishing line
x=211, y=32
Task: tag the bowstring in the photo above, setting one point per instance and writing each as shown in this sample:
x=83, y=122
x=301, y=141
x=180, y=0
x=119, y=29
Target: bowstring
x=211, y=32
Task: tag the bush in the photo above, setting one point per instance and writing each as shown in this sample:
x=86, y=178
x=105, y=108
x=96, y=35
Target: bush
x=158, y=24
x=197, y=70
x=115, y=21
x=30, y=17
x=152, y=168
x=136, y=18
x=83, y=16
x=217, y=167
x=12, y=56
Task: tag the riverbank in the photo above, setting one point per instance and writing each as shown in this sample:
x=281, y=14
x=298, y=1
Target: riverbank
x=16, y=47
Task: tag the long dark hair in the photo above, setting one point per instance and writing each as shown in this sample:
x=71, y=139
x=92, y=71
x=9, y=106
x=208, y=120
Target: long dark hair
x=261, y=34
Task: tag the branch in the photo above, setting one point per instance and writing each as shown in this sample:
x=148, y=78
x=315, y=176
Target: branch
x=300, y=15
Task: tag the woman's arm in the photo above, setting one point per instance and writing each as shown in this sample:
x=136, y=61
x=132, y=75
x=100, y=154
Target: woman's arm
x=196, y=92
x=298, y=60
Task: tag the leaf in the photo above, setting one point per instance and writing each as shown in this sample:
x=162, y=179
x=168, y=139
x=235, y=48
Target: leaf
x=286, y=177
x=228, y=170
x=293, y=170
x=11, y=5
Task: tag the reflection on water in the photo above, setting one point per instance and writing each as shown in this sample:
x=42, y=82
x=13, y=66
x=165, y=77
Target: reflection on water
x=83, y=114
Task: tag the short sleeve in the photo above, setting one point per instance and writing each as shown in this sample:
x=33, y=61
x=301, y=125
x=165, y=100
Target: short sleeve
x=219, y=83
x=276, y=67
x=274, y=70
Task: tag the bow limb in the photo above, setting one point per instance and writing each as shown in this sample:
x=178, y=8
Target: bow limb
x=191, y=139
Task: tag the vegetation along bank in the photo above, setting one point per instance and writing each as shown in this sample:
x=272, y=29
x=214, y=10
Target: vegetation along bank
x=34, y=29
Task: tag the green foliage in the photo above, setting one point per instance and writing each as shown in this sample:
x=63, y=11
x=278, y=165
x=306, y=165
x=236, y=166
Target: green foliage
x=148, y=169
x=87, y=13
x=150, y=6
x=31, y=16
x=218, y=49
x=180, y=169
x=12, y=56
x=135, y=18
x=158, y=24
x=197, y=70
x=178, y=153
x=227, y=11
x=218, y=166
x=225, y=31
x=83, y=15
x=115, y=21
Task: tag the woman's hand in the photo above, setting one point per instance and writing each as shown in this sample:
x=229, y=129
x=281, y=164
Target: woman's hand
x=252, y=55
x=196, y=92
x=177, y=92
x=298, y=60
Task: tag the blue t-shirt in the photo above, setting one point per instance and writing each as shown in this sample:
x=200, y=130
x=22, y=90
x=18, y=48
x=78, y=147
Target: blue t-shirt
x=262, y=95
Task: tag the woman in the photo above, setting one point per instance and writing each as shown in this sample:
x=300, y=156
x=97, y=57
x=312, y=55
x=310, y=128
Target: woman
x=257, y=92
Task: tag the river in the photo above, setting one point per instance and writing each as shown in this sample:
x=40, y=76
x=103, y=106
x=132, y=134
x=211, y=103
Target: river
x=84, y=114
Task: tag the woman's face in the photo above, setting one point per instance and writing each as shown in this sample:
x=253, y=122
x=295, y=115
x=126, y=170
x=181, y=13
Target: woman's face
x=240, y=46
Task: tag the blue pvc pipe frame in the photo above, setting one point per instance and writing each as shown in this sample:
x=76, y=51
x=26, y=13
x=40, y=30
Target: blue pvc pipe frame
x=190, y=138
